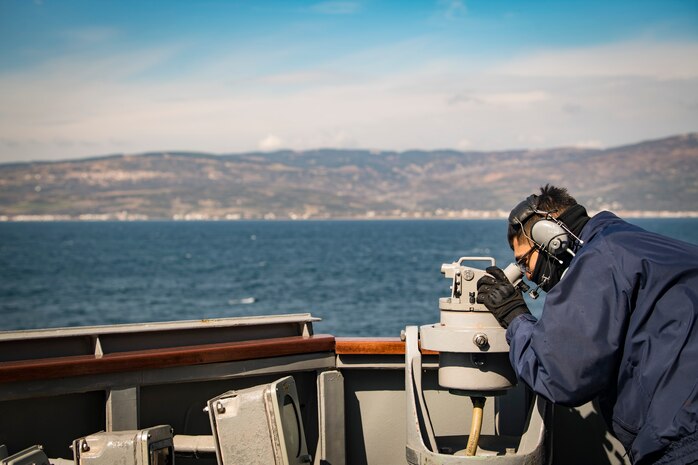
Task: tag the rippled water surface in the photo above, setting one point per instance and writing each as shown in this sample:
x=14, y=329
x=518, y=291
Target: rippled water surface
x=362, y=278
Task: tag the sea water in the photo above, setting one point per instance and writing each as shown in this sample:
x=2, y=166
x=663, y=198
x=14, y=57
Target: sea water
x=363, y=278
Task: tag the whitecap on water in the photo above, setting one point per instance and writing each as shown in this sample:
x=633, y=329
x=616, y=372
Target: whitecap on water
x=243, y=301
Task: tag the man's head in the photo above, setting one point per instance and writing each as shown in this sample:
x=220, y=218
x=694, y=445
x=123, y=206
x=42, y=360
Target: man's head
x=552, y=201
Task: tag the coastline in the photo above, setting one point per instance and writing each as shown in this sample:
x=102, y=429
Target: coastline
x=369, y=216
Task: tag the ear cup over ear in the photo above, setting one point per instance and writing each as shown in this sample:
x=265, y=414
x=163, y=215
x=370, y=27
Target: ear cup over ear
x=551, y=236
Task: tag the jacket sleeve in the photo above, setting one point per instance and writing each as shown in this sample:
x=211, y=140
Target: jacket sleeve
x=571, y=353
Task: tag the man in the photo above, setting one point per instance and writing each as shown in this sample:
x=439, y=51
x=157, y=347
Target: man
x=620, y=322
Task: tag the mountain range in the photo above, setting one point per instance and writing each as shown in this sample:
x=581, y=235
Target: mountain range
x=651, y=176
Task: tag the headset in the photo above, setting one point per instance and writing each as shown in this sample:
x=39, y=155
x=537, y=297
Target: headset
x=548, y=234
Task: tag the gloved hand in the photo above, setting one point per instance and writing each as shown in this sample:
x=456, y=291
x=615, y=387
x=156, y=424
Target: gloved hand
x=500, y=297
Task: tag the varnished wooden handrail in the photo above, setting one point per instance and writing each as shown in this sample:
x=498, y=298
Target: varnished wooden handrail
x=61, y=367
x=373, y=346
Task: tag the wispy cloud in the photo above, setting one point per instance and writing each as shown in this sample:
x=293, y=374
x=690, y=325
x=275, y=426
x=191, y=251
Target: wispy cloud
x=270, y=142
x=337, y=8
x=406, y=108
x=662, y=60
x=452, y=9
x=303, y=78
x=500, y=98
x=91, y=35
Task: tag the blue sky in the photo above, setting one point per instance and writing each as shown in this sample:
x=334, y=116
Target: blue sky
x=85, y=78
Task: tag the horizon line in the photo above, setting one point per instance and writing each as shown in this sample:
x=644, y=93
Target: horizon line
x=373, y=151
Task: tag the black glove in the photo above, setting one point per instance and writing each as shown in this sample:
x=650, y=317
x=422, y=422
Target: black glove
x=500, y=297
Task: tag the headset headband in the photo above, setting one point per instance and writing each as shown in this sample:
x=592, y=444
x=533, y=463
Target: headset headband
x=523, y=211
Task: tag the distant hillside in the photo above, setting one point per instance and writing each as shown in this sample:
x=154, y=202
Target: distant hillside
x=658, y=175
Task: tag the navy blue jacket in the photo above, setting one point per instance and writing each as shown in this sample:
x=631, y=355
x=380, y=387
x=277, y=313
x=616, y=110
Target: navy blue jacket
x=622, y=324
